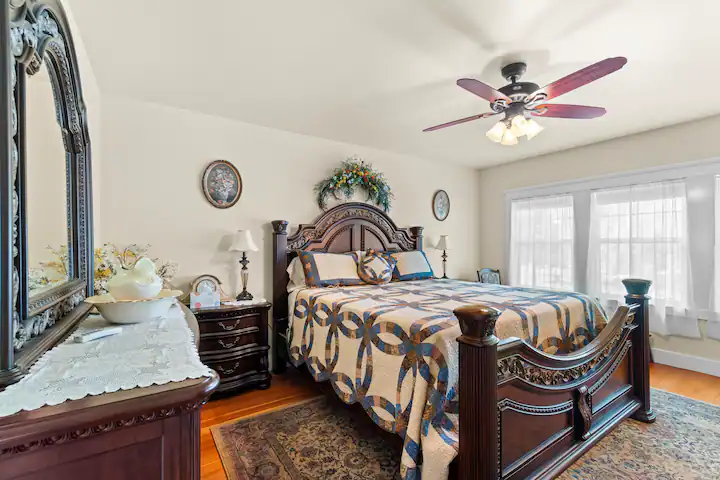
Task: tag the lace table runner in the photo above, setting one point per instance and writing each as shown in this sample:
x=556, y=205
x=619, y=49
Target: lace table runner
x=144, y=354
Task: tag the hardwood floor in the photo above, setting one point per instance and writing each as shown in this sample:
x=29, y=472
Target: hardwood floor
x=288, y=389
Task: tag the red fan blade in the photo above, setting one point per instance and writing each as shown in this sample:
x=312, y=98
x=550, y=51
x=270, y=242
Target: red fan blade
x=581, y=77
x=481, y=90
x=462, y=120
x=568, y=111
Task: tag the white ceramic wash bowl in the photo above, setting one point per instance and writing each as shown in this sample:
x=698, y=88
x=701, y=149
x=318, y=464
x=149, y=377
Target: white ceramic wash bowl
x=134, y=311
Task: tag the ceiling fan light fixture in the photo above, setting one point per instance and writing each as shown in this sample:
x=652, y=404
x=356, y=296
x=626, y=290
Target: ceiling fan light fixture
x=509, y=138
x=532, y=128
x=519, y=126
x=519, y=101
x=497, y=132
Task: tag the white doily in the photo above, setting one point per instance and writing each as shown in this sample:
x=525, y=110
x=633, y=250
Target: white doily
x=144, y=354
x=241, y=303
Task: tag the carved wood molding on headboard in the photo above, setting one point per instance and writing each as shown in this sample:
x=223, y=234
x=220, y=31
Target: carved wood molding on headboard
x=349, y=214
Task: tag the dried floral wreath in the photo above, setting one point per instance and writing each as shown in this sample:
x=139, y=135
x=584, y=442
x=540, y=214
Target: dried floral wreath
x=352, y=173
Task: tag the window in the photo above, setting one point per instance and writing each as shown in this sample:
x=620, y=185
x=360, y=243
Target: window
x=640, y=231
x=661, y=223
x=541, y=246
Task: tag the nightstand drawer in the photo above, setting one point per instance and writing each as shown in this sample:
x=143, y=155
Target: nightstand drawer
x=234, y=342
x=223, y=342
x=232, y=368
x=230, y=324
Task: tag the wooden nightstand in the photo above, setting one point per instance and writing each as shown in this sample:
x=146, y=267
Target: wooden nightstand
x=234, y=343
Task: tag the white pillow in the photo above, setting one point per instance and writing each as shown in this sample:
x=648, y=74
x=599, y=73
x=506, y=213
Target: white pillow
x=323, y=269
x=412, y=265
x=296, y=274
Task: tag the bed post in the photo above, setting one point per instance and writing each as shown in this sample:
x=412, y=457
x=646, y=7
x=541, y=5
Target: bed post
x=637, y=290
x=279, y=289
x=479, y=447
x=418, y=234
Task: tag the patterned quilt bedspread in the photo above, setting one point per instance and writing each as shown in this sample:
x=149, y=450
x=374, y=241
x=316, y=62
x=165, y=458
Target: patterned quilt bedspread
x=393, y=348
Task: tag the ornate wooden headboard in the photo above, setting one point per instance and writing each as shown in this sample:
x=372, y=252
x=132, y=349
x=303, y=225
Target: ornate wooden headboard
x=345, y=228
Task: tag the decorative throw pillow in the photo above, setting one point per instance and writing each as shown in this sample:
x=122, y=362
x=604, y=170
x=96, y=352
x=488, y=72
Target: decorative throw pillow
x=326, y=269
x=376, y=268
x=412, y=266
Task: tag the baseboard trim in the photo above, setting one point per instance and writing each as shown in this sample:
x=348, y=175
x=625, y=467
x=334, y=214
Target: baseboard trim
x=687, y=362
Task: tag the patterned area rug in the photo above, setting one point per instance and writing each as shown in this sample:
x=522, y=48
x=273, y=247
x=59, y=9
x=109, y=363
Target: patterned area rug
x=684, y=443
x=325, y=439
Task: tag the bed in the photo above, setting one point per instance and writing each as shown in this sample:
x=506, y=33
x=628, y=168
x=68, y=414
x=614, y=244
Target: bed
x=503, y=382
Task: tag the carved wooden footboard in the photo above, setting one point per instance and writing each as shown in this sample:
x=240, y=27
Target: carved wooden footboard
x=527, y=414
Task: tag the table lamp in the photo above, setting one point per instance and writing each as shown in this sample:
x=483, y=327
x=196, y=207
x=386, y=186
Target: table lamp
x=243, y=242
x=444, y=246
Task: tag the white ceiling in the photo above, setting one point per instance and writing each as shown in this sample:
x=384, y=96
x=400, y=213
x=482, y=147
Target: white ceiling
x=376, y=72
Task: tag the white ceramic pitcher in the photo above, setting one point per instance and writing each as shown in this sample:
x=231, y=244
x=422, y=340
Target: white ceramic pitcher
x=141, y=282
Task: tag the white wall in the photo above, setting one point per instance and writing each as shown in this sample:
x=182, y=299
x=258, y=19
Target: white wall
x=679, y=143
x=154, y=157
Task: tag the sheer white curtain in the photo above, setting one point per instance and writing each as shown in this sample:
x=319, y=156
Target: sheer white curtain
x=641, y=231
x=541, y=242
x=713, y=326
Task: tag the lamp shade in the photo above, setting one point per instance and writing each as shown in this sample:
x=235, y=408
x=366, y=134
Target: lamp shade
x=532, y=128
x=496, y=132
x=443, y=243
x=519, y=124
x=243, y=242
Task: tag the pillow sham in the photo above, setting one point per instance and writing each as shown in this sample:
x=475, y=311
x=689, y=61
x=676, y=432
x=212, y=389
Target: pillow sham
x=326, y=269
x=411, y=266
x=296, y=275
x=376, y=268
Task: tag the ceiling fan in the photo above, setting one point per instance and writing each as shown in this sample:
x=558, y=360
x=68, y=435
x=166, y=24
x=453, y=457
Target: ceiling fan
x=521, y=101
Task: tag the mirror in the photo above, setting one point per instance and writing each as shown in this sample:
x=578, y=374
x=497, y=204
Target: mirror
x=50, y=158
x=48, y=226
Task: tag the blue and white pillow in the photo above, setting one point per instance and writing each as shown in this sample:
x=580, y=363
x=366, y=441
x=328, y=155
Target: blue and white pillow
x=328, y=269
x=376, y=268
x=412, y=266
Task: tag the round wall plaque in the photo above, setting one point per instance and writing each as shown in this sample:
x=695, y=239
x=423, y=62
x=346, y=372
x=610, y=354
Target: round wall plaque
x=441, y=205
x=222, y=184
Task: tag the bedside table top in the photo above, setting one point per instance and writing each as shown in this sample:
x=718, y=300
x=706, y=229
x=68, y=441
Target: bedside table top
x=230, y=308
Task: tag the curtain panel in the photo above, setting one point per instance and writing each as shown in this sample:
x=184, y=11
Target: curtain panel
x=542, y=242
x=642, y=231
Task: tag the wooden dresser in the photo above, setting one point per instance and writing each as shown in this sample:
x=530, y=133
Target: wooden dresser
x=148, y=433
x=234, y=343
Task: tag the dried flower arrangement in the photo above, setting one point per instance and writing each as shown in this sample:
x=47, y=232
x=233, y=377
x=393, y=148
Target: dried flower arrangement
x=354, y=172
x=108, y=260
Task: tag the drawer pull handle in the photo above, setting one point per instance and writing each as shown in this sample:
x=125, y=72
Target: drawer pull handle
x=233, y=327
x=230, y=371
x=229, y=344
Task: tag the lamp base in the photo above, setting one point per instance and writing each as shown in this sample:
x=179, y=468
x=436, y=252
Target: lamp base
x=244, y=295
x=444, y=263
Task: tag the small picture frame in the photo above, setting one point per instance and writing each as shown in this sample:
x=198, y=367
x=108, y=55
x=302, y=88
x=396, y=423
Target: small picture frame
x=204, y=300
x=222, y=184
